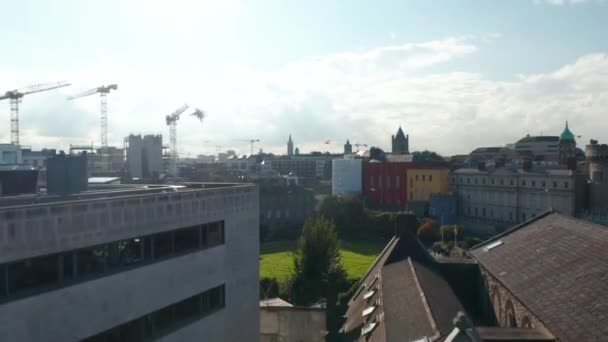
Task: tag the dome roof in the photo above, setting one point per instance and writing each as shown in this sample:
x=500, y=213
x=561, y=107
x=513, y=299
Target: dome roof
x=566, y=134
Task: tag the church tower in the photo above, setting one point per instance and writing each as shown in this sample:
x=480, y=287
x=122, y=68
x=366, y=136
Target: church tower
x=348, y=148
x=400, y=142
x=567, y=146
x=289, y=146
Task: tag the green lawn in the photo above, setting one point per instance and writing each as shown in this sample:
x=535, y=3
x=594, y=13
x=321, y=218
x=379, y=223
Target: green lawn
x=276, y=258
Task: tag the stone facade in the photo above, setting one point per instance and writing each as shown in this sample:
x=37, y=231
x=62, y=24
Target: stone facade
x=507, y=196
x=509, y=311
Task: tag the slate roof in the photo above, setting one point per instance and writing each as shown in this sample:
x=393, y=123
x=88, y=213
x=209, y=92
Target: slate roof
x=557, y=266
x=411, y=299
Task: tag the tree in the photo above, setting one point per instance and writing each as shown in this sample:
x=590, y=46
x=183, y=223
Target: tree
x=377, y=154
x=429, y=232
x=427, y=156
x=316, y=258
x=269, y=288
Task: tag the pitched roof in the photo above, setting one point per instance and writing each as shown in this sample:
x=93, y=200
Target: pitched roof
x=407, y=298
x=556, y=266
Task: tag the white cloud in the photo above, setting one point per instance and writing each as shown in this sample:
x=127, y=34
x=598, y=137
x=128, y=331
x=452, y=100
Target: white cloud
x=360, y=95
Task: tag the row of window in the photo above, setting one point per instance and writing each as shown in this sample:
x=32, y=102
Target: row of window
x=523, y=182
x=490, y=214
x=29, y=276
x=398, y=179
x=165, y=320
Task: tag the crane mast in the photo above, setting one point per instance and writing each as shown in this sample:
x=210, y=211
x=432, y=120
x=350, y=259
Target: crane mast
x=172, y=123
x=15, y=98
x=103, y=94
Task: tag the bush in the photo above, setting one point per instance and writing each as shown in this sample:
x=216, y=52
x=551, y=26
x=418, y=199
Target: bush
x=269, y=288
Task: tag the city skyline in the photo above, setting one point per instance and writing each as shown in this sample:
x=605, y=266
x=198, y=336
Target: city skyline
x=454, y=76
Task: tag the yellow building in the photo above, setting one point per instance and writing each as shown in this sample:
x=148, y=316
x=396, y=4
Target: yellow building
x=423, y=182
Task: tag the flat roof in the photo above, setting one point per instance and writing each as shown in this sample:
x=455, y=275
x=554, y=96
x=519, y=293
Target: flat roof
x=104, y=191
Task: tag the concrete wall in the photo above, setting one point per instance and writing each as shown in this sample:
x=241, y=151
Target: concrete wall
x=346, y=177
x=152, y=155
x=86, y=308
x=287, y=324
x=134, y=156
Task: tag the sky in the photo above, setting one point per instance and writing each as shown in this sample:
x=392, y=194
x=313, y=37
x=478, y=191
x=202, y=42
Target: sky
x=454, y=75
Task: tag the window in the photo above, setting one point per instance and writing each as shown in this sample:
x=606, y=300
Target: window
x=165, y=320
x=533, y=184
x=380, y=181
x=566, y=185
x=46, y=273
x=502, y=182
x=411, y=196
x=475, y=180
x=512, y=183
x=492, y=181
x=523, y=216
x=388, y=181
x=483, y=181
x=469, y=211
x=423, y=178
x=371, y=180
x=483, y=212
x=468, y=180
x=523, y=182
x=411, y=182
x=543, y=184
x=397, y=182
x=31, y=273
x=476, y=212
x=416, y=178
x=430, y=178
x=555, y=184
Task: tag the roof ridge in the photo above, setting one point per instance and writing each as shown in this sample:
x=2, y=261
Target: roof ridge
x=514, y=228
x=427, y=306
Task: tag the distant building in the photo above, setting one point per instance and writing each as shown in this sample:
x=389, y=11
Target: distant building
x=36, y=158
x=131, y=263
x=400, y=142
x=538, y=148
x=348, y=148
x=297, y=152
x=10, y=154
x=443, y=207
x=567, y=146
x=284, y=206
x=289, y=147
x=422, y=183
x=282, y=322
x=507, y=195
x=346, y=176
x=597, y=163
x=144, y=156
x=482, y=154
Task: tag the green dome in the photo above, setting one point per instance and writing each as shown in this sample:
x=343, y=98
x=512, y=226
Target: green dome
x=566, y=134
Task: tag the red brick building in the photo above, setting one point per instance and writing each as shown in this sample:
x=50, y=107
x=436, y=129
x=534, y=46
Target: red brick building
x=385, y=183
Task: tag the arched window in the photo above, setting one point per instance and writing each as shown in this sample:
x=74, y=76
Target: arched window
x=526, y=323
x=496, y=302
x=510, y=319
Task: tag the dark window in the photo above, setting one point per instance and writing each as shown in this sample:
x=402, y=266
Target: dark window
x=31, y=273
x=476, y=212
x=3, y=289
x=67, y=260
x=502, y=182
x=165, y=320
x=543, y=184
x=187, y=239
x=163, y=245
x=416, y=178
x=533, y=183
x=468, y=180
x=215, y=234
x=512, y=182
x=555, y=184
x=483, y=181
x=566, y=185
x=492, y=181
x=423, y=178
x=476, y=180
x=483, y=212
x=430, y=178
x=90, y=261
x=523, y=182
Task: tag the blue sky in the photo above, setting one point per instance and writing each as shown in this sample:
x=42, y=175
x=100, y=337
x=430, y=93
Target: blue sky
x=455, y=74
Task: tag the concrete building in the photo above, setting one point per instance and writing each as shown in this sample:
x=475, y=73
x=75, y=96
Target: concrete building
x=36, y=158
x=539, y=148
x=144, y=156
x=10, y=154
x=505, y=196
x=424, y=182
x=131, y=263
x=400, y=143
x=346, y=176
x=282, y=322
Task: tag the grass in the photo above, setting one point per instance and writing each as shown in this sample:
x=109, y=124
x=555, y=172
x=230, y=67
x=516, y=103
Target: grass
x=276, y=258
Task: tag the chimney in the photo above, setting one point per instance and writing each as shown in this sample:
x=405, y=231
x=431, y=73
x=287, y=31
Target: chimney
x=527, y=165
x=405, y=222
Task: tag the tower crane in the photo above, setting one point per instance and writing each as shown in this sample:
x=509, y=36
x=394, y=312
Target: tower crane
x=15, y=98
x=172, y=123
x=251, y=141
x=103, y=93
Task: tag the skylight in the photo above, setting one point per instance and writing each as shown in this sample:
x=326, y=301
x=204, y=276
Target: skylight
x=368, y=311
x=492, y=245
x=369, y=294
x=368, y=328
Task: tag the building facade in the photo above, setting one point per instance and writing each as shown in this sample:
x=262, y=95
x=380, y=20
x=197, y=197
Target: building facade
x=346, y=176
x=10, y=154
x=424, y=182
x=540, y=148
x=285, y=206
x=144, y=156
x=597, y=163
x=506, y=196
x=131, y=264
